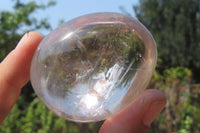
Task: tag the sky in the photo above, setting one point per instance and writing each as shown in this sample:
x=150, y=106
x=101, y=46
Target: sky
x=69, y=9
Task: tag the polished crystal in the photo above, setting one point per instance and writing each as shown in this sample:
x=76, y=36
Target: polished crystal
x=93, y=66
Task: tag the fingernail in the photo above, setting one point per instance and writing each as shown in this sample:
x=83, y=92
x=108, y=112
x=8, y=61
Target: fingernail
x=21, y=41
x=155, y=108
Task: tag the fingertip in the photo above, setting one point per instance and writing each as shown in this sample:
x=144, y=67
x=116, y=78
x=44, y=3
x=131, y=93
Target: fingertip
x=153, y=111
x=18, y=61
x=32, y=36
x=154, y=101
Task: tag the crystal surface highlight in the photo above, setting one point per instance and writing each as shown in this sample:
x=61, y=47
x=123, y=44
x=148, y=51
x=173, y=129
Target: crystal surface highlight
x=93, y=66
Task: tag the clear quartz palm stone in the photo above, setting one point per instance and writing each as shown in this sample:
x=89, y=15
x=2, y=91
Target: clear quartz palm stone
x=93, y=66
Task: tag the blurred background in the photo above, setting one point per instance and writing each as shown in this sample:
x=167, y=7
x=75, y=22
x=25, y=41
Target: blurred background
x=175, y=26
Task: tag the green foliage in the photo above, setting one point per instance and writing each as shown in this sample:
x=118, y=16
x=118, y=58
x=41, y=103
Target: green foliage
x=37, y=110
x=175, y=26
x=182, y=112
x=12, y=122
x=20, y=20
x=179, y=73
x=189, y=116
x=36, y=119
x=176, y=75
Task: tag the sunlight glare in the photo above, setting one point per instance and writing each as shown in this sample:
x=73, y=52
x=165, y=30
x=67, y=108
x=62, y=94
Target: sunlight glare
x=90, y=100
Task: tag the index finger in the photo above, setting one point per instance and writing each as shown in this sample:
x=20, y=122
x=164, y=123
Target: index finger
x=14, y=71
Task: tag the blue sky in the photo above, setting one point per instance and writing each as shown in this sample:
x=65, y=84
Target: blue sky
x=68, y=9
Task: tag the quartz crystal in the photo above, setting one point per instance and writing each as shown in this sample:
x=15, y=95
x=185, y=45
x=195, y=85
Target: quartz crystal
x=93, y=66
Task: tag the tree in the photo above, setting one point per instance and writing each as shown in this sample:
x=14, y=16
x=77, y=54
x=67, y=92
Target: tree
x=14, y=23
x=175, y=26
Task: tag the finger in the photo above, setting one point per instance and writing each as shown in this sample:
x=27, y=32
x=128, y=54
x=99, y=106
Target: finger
x=138, y=116
x=14, y=71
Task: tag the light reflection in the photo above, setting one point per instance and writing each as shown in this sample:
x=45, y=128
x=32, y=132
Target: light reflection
x=103, y=86
x=67, y=35
x=90, y=100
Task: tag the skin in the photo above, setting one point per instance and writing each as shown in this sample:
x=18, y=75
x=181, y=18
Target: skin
x=15, y=73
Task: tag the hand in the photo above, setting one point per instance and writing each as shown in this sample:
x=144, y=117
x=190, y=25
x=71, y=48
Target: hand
x=15, y=73
x=138, y=116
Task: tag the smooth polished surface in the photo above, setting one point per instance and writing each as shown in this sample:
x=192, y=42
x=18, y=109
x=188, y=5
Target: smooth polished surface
x=93, y=66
